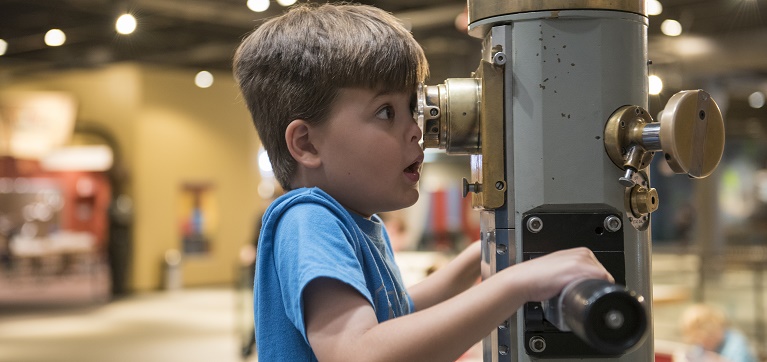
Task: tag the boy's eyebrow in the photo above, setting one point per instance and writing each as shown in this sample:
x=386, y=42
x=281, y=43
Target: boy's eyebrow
x=383, y=93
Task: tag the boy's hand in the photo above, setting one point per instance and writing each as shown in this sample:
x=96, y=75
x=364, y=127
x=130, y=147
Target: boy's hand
x=546, y=276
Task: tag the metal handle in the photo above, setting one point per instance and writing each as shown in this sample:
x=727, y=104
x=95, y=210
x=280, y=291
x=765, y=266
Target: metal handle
x=690, y=134
x=607, y=316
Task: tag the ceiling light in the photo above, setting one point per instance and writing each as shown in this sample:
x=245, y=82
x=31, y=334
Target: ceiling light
x=266, y=189
x=756, y=100
x=55, y=37
x=690, y=46
x=203, y=79
x=656, y=84
x=79, y=158
x=264, y=165
x=258, y=5
x=671, y=27
x=3, y=46
x=286, y=2
x=125, y=24
x=654, y=7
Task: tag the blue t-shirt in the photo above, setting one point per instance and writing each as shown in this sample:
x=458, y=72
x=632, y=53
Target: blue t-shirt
x=735, y=347
x=306, y=235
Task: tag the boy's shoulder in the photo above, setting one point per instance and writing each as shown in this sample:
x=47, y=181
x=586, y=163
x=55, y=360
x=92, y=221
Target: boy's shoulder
x=305, y=203
x=310, y=195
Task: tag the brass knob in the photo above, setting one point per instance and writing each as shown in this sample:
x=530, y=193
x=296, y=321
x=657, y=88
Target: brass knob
x=643, y=200
x=692, y=133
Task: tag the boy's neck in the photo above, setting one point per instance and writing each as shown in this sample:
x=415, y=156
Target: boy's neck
x=296, y=185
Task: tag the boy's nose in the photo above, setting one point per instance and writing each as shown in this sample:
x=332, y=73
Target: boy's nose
x=415, y=133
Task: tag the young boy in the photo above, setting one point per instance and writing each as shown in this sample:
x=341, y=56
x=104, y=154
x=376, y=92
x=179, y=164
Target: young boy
x=330, y=89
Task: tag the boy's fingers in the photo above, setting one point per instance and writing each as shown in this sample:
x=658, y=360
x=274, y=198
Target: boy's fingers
x=593, y=257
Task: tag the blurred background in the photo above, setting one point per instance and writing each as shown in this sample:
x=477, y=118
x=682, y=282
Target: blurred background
x=132, y=181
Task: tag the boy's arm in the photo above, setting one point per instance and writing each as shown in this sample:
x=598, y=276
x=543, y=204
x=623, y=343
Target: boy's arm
x=341, y=325
x=455, y=277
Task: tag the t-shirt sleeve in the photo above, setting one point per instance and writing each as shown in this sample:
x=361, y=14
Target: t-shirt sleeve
x=312, y=242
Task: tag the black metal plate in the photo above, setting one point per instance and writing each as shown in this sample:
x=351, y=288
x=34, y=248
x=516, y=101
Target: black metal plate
x=564, y=227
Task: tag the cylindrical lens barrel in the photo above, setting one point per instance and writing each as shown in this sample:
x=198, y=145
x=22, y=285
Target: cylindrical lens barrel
x=607, y=316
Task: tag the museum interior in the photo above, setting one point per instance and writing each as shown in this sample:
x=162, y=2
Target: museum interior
x=132, y=181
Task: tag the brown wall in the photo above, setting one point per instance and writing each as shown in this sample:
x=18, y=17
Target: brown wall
x=171, y=132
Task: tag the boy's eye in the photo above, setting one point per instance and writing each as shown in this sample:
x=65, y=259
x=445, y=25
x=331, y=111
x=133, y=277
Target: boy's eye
x=385, y=113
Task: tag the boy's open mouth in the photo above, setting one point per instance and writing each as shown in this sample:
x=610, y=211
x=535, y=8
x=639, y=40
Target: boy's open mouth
x=414, y=167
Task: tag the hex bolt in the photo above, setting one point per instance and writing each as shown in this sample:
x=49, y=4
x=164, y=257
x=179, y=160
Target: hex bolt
x=537, y=344
x=612, y=223
x=534, y=224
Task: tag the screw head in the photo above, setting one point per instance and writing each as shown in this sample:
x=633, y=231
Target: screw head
x=534, y=224
x=612, y=223
x=499, y=58
x=537, y=344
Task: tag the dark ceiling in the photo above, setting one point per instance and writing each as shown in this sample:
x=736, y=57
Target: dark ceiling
x=186, y=33
x=724, y=44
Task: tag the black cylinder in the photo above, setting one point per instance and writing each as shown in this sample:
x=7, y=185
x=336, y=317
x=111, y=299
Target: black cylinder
x=608, y=316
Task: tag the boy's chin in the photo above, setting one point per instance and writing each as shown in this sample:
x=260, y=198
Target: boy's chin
x=410, y=199
x=402, y=203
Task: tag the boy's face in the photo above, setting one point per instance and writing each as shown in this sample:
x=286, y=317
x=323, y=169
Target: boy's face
x=369, y=149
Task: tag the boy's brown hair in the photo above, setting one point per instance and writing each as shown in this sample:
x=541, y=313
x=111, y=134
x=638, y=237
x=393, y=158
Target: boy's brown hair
x=293, y=66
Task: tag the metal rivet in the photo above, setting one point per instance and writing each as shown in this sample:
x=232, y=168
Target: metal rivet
x=534, y=224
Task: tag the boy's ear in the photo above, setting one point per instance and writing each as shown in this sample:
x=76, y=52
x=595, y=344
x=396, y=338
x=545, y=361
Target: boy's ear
x=300, y=144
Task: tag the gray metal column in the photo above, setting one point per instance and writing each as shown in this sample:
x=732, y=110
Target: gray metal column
x=555, y=122
x=566, y=73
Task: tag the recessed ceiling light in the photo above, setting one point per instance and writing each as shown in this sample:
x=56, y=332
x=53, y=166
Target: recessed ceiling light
x=654, y=7
x=756, y=100
x=258, y=5
x=55, y=37
x=655, y=85
x=671, y=27
x=125, y=24
x=203, y=79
